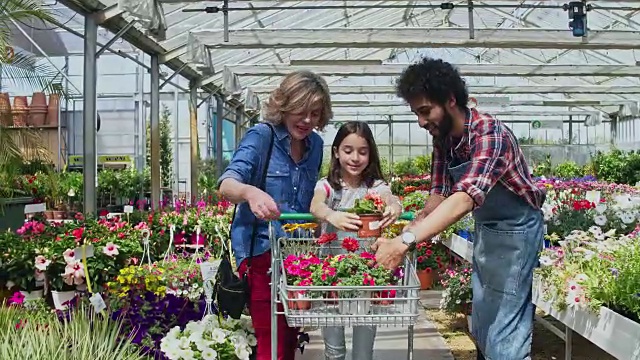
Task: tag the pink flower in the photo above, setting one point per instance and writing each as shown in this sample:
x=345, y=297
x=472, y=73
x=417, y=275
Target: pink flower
x=73, y=274
x=110, y=249
x=42, y=263
x=17, y=298
x=69, y=256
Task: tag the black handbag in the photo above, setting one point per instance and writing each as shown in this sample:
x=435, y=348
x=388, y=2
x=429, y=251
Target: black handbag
x=232, y=292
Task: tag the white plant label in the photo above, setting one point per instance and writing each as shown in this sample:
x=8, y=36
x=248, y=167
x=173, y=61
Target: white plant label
x=374, y=225
x=35, y=208
x=88, y=250
x=97, y=302
x=593, y=196
x=209, y=269
x=128, y=209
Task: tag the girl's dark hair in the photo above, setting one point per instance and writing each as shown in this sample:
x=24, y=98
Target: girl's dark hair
x=372, y=172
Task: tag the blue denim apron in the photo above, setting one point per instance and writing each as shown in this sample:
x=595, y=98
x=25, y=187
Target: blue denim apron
x=509, y=237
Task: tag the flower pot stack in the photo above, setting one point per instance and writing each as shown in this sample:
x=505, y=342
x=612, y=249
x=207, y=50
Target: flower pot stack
x=52, y=110
x=38, y=109
x=5, y=110
x=20, y=111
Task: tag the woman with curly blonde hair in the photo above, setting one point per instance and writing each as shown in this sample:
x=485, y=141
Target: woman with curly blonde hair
x=286, y=154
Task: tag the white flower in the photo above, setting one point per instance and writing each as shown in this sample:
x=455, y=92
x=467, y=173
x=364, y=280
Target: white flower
x=600, y=220
x=242, y=353
x=545, y=261
x=218, y=336
x=69, y=256
x=209, y=354
x=251, y=340
x=42, y=263
x=110, y=249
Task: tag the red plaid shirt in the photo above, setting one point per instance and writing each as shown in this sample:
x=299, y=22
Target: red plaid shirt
x=495, y=156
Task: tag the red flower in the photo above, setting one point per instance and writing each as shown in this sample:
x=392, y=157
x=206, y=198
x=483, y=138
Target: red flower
x=77, y=233
x=326, y=238
x=350, y=244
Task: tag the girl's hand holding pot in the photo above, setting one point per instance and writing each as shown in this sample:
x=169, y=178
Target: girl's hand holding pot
x=344, y=221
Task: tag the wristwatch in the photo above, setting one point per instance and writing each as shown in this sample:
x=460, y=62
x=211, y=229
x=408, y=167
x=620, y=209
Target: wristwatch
x=409, y=239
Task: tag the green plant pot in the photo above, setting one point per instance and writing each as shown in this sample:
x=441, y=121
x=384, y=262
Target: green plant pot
x=12, y=212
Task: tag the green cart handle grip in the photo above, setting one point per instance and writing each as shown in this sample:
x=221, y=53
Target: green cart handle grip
x=308, y=217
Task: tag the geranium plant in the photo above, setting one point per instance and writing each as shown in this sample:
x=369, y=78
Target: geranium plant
x=372, y=203
x=430, y=257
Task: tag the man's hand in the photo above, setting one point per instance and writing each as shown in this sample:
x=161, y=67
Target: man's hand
x=390, y=252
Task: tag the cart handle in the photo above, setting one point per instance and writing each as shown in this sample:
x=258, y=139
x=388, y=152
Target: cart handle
x=308, y=217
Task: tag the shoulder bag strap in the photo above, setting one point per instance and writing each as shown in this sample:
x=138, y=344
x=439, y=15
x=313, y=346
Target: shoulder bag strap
x=262, y=186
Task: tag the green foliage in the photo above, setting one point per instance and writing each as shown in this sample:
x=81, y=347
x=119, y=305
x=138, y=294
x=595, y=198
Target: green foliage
x=568, y=170
x=208, y=178
x=617, y=166
x=166, y=152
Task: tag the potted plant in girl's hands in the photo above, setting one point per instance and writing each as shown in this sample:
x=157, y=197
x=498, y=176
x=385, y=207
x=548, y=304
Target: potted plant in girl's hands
x=369, y=209
x=429, y=260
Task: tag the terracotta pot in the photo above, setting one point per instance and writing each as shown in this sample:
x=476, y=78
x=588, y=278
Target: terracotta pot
x=20, y=111
x=48, y=214
x=53, y=110
x=426, y=278
x=300, y=303
x=38, y=109
x=370, y=226
x=198, y=239
x=59, y=215
x=5, y=110
x=331, y=295
x=385, y=297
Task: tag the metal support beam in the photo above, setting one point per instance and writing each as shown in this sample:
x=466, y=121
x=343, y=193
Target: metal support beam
x=239, y=122
x=155, y=133
x=481, y=90
x=193, y=139
x=107, y=13
x=394, y=69
x=407, y=37
x=89, y=116
x=175, y=73
x=115, y=38
x=218, y=134
x=372, y=111
x=492, y=102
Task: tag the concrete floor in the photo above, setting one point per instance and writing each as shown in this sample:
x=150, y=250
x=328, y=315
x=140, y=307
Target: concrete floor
x=392, y=343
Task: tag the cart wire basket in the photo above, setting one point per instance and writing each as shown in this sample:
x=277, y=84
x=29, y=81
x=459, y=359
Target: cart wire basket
x=392, y=305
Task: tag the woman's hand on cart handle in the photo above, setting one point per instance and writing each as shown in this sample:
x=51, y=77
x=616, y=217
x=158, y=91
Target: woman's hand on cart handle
x=262, y=205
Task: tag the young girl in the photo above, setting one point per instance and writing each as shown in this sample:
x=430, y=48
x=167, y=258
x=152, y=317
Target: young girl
x=353, y=172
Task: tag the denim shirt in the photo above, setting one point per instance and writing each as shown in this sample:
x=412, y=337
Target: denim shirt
x=290, y=184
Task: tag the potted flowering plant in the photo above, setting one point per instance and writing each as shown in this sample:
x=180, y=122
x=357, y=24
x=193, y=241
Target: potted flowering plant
x=298, y=270
x=429, y=260
x=370, y=209
x=211, y=338
x=457, y=294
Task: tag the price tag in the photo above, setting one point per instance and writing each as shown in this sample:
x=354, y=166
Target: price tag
x=545, y=228
x=209, y=269
x=89, y=252
x=128, y=209
x=593, y=196
x=35, y=208
x=97, y=302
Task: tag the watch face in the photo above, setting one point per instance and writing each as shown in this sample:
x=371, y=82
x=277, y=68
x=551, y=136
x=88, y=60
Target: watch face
x=408, y=238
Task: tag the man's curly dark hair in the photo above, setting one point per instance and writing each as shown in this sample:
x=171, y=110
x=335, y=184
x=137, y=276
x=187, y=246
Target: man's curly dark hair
x=434, y=79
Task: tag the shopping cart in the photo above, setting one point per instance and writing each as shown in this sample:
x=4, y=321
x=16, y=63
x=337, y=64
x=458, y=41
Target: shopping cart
x=322, y=306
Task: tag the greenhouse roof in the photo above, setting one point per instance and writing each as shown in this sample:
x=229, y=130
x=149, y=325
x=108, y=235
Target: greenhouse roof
x=516, y=53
